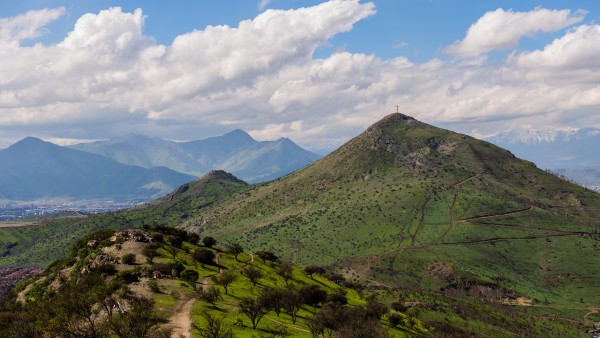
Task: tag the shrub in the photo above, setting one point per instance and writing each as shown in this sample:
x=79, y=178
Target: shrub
x=128, y=258
x=204, y=256
x=208, y=241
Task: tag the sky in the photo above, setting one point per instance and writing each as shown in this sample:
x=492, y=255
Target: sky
x=318, y=72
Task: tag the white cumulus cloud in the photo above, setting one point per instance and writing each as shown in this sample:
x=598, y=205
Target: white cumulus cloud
x=502, y=29
x=27, y=26
x=106, y=78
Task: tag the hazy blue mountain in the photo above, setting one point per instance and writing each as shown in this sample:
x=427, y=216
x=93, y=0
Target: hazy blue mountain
x=588, y=176
x=145, y=152
x=553, y=149
x=265, y=161
x=572, y=153
x=219, y=148
x=33, y=169
x=236, y=152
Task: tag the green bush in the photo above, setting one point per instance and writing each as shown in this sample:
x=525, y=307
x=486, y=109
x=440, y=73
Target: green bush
x=128, y=258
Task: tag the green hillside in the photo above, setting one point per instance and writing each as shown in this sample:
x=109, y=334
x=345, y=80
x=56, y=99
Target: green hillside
x=412, y=205
x=42, y=243
x=164, y=282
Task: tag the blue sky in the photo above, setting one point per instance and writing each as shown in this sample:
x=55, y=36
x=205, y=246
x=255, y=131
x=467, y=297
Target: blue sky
x=318, y=75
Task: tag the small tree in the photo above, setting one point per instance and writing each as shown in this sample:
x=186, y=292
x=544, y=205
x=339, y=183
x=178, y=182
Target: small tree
x=173, y=251
x=224, y=279
x=253, y=309
x=285, y=270
x=204, y=256
x=215, y=327
x=292, y=303
x=337, y=298
x=175, y=241
x=150, y=251
x=253, y=274
x=272, y=299
x=314, y=269
x=211, y=295
x=376, y=309
x=190, y=276
x=312, y=295
x=139, y=321
x=128, y=258
x=192, y=238
x=235, y=249
x=394, y=318
x=266, y=256
x=209, y=242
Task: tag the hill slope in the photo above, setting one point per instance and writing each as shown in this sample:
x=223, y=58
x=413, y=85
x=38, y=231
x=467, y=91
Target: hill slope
x=33, y=169
x=235, y=152
x=417, y=206
x=162, y=282
x=41, y=243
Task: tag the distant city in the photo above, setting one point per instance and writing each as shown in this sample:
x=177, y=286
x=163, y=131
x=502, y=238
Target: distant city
x=11, y=211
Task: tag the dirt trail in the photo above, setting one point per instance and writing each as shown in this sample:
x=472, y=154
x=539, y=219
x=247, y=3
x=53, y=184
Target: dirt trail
x=284, y=324
x=181, y=320
x=495, y=215
x=587, y=321
x=467, y=180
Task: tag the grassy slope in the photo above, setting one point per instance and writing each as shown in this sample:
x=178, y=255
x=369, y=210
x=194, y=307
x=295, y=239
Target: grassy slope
x=41, y=244
x=174, y=292
x=404, y=195
x=447, y=315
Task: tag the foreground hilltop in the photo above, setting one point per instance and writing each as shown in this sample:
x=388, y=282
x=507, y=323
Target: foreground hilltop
x=164, y=282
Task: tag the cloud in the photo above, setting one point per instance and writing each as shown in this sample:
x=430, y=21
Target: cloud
x=502, y=29
x=263, y=3
x=578, y=49
x=27, y=26
x=106, y=78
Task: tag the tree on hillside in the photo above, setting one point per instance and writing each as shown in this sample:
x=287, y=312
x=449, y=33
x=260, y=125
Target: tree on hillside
x=139, y=320
x=210, y=295
x=128, y=258
x=376, y=309
x=292, y=303
x=314, y=269
x=272, y=298
x=204, y=256
x=175, y=241
x=192, y=238
x=312, y=295
x=235, y=249
x=150, y=251
x=208, y=241
x=253, y=309
x=190, y=276
x=253, y=274
x=346, y=321
x=215, y=327
x=224, y=279
x=173, y=251
x=266, y=256
x=285, y=270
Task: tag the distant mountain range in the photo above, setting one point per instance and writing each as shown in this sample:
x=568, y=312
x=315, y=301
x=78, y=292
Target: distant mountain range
x=236, y=152
x=573, y=153
x=138, y=166
x=33, y=169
